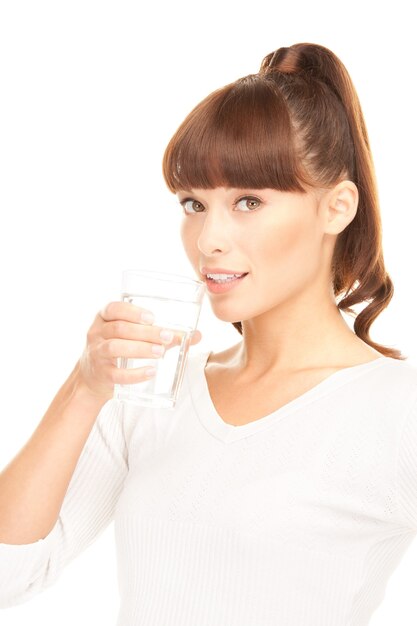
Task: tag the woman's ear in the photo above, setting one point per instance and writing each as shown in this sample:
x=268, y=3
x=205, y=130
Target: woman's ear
x=341, y=206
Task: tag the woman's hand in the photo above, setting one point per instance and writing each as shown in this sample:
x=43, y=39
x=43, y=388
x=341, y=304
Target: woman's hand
x=119, y=330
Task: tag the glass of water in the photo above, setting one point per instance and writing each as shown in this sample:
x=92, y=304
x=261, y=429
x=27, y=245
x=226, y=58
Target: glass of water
x=175, y=302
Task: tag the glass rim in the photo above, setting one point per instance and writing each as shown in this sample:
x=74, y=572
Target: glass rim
x=160, y=275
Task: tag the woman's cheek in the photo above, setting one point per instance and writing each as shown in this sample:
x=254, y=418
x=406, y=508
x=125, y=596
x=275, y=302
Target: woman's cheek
x=189, y=238
x=185, y=234
x=287, y=248
x=276, y=241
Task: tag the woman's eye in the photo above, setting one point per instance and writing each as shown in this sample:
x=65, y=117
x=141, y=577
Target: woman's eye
x=246, y=204
x=192, y=206
x=249, y=203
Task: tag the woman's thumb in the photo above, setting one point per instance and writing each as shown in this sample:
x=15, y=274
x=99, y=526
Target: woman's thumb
x=196, y=336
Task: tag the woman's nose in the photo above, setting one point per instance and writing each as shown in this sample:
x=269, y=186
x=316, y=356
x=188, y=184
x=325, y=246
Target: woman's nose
x=215, y=235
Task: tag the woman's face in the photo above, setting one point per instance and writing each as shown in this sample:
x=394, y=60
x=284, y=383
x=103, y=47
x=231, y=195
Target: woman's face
x=276, y=237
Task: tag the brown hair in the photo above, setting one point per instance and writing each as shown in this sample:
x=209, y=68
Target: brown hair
x=296, y=124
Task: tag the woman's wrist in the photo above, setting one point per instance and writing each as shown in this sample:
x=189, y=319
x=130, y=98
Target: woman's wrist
x=76, y=391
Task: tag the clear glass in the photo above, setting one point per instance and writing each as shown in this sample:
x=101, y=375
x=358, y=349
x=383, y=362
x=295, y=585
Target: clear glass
x=175, y=302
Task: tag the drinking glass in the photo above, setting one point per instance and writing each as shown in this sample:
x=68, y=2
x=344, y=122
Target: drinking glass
x=175, y=301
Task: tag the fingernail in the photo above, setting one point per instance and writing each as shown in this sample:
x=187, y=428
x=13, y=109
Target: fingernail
x=166, y=335
x=147, y=317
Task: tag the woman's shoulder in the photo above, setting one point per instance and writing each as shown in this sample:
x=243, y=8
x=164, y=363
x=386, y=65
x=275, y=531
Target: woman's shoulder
x=402, y=369
x=394, y=381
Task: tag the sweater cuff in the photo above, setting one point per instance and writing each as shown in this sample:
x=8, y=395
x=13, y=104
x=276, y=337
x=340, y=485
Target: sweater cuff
x=25, y=563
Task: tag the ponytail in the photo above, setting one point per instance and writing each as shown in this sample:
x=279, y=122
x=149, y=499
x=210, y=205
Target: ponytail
x=358, y=264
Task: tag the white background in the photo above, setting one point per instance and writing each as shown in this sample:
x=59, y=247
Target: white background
x=91, y=93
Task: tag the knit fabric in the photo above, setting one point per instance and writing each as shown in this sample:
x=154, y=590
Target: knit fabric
x=297, y=518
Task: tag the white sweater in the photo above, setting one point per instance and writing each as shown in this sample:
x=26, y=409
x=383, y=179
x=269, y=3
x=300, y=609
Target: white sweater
x=295, y=519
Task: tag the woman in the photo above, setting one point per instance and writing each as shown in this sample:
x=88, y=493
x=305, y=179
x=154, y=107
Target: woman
x=283, y=489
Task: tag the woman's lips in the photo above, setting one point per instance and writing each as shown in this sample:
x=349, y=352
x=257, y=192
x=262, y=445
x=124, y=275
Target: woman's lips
x=214, y=287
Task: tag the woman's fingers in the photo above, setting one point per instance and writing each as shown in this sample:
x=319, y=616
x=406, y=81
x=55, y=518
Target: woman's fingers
x=125, y=311
x=124, y=330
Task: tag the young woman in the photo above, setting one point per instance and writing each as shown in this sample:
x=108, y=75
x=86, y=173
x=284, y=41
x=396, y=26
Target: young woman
x=283, y=487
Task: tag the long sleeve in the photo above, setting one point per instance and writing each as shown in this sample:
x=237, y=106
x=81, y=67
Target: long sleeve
x=407, y=468
x=87, y=509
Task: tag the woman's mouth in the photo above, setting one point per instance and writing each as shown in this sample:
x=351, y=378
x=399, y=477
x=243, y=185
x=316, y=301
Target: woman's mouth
x=221, y=283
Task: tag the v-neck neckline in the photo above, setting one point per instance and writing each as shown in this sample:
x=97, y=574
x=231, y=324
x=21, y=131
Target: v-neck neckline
x=214, y=423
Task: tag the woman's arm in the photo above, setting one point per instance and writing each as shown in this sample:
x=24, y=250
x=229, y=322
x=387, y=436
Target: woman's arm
x=88, y=507
x=34, y=483
x=61, y=489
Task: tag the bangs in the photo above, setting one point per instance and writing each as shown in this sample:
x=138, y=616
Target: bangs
x=239, y=136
